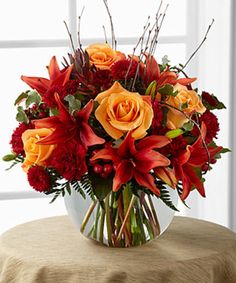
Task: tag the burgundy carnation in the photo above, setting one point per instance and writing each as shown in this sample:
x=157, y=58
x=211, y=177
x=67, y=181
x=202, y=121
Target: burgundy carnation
x=102, y=79
x=212, y=125
x=69, y=160
x=39, y=179
x=175, y=148
x=69, y=88
x=119, y=69
x=16, y=141
x=209, y=98
x=157, y=119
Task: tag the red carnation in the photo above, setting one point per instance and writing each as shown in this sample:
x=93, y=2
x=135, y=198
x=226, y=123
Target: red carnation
x=119, y=69
x=175, y=148
x=70, y=87
x=16, y=141
x=212, y=126
x=69, y=160
x=102, y=79
x=158, y=116
x=209, y=98
x=39, y=179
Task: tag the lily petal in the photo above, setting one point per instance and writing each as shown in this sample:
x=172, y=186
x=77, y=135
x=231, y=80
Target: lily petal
x=53, y=69
x=147, y=160
x=40, y=84
x=147, y=181
x=127, y=148
x=88, y=137
x=152, y=142
x=124, y=173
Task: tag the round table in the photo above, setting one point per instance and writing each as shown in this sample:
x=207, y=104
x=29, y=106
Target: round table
x=51, y=250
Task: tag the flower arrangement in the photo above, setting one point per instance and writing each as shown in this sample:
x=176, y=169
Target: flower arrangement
x=119, y=128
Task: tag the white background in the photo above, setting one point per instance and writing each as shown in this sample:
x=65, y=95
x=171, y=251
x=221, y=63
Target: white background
x=32, y=32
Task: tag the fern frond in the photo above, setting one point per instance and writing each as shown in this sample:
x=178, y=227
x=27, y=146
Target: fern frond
x=166, y=198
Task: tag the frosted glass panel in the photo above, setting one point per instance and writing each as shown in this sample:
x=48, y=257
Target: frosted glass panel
x=27, y=19
x=17, y=62
x=130, y=16
x=21, y=211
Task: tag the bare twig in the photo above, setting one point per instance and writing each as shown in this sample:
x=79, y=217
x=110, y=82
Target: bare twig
x=199, y=46
x=70, y=36
x=113, y=38
x=105, y=34
x=79, y=22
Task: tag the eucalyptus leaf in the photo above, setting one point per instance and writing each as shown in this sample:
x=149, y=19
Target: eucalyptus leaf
x=188, y=127
x=33, y=97
x=21, y=116
x=21, y=97
x=74, y=104
x=167, y=90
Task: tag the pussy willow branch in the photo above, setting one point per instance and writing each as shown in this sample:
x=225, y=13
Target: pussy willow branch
x=79, y=22
x=199, y=46
x=113, y=38
x=134, y=49
x=196, y=124
x=70, y=36
x=105, y=34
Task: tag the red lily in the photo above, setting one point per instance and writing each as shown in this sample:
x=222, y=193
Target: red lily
x=193, y=157
x=136, y=161
x=150, y=71
x=57, y=77
x=67, y=127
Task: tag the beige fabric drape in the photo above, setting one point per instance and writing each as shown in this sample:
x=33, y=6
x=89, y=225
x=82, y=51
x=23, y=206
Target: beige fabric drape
x=51, y=250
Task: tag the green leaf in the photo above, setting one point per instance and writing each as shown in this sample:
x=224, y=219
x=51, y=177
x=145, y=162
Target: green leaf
x=21, y=116
x=174, y=133
x=9, y=157
x=218, y=104
x=167, y=90
x=183, y=106
x=101, y=187
x=151, y=89
x=74, y=104
x=53, y=112
x=33, y=97
x=225, y=150
x=21, y=97
x=165, y=60
x=166, y=198
x=188, y=127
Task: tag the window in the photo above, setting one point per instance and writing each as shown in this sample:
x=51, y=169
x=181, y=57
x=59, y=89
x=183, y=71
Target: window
x=34, y=31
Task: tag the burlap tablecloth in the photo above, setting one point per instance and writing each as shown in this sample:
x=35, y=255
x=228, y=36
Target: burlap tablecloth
x=51, y=250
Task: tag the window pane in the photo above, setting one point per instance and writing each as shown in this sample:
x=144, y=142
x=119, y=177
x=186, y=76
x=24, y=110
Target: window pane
x=27, y=19
x=20, y=211
x=14, y=63
x=129, y=17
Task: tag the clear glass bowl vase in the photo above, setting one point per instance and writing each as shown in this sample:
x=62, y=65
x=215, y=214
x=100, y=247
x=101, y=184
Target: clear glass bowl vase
x=121, y=220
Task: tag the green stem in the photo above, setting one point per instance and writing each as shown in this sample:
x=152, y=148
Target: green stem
x=96, y=222
x=108, y=220
x=101, y=228
x=87, y=216
x=150, y=217
x=140, y=221
x=154, y=215
x=126, y=218
x=90, y=232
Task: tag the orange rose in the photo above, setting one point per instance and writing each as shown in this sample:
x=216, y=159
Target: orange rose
x=175, y=118
x=36, y=154
x=103, y=56
x=121, y=111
